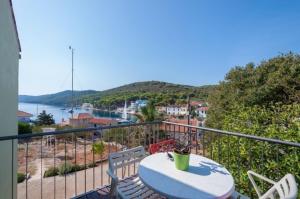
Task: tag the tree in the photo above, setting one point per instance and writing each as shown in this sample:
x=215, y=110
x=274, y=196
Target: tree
x=45, y=119
x=276, y=80
x=148, y=113
x=98, y=148
x=260, y=100
x=277, y=121
x=24, y=128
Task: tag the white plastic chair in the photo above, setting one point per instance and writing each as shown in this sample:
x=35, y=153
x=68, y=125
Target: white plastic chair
x=285, y=188
x=131, y=187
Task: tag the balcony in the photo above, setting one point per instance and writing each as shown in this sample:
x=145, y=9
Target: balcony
x=63, y=164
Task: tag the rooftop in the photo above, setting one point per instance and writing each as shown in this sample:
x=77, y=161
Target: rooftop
x=23, y=114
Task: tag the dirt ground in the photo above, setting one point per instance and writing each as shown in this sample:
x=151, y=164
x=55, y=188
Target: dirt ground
x=40, y=156
x=46, y=188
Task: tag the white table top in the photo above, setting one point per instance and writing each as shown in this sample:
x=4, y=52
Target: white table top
x=204, y=178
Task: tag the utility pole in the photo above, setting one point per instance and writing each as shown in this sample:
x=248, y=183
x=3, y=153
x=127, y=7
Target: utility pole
x=72, y=110
x=188, y=119
x=188, y=109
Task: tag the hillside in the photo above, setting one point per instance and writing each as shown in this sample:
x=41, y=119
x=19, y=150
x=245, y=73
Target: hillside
x=61, y=98
x=160, y=92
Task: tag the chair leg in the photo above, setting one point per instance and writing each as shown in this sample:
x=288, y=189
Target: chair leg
x=113, y=190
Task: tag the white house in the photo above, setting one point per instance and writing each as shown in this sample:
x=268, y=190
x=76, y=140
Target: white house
x=24, y=117
x=176, y=110
x=87, y=106
x=137, y=105
x=202, y=111
x=9, y=66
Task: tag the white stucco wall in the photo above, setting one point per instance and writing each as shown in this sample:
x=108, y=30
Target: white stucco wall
x=9, y=61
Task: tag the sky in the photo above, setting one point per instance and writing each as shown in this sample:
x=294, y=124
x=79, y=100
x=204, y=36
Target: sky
x=117, y=42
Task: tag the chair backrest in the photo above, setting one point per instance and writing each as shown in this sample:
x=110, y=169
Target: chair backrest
x=163, y=146
x=286, y=188
x=125, y=158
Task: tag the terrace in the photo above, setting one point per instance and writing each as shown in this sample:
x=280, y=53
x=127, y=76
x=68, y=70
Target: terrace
x=39, y=153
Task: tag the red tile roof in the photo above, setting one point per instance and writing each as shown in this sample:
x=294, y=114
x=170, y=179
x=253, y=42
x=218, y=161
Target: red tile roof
x=23, y=114
x=204, y=108
x=84, y=116
x=194, y=103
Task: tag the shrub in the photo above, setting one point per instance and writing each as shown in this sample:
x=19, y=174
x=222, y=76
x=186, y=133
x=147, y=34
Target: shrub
x=98, y=147
x=65, y=168
x=70, y=168
x=91, y=165
x=24, y=128
x=21, y=177
x=77, y=167
x=52, y=171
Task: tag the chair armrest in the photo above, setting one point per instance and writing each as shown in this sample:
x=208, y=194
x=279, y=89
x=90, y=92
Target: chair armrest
x=113, y=176
x=260, y=177
x=251, y=174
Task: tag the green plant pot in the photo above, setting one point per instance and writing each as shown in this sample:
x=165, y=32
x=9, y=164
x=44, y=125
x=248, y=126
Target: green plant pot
x=181, y=161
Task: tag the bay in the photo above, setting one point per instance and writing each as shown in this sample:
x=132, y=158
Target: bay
x=60, y=113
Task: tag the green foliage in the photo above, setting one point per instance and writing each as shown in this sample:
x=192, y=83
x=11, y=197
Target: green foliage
x=91, y=165
x=52, y=171
x=21, y=177
x=272, y=81
x=38, y=129
x=98, y=148
x=24, y=128
x=274, y=161
x=45, y=119
x=66, y=168
x=148, y=113
x=261, y=100
x=162, y=93
x=118, y=135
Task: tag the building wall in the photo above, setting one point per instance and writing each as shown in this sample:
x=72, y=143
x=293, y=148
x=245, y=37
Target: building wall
x=176, y=110
x=24, y=119
x=79, y=123
x=9, y=61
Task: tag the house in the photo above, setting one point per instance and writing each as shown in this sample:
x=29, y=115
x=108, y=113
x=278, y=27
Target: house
x=161, y=109
x=96, y=122
x=81, y=120
x=87, y=106
x=177, y=110
x=202, y=111
x=10, y=50
x=24, y=117
x=137, y=105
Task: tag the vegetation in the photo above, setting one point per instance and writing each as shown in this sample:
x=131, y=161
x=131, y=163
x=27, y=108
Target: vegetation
x=66, y=169
x=148, y=113
x=63, y=98
x=161, y=93
x=52, y=171
x=182, y=148
x=261, y=100
x=98, y=148
x=21, y=177
x=24, y=128
x=274, y=81
x=45, y=119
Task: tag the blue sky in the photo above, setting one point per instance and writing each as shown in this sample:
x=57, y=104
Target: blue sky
x=122, y=41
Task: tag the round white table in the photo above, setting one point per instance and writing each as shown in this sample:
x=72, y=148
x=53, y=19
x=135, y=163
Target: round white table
x=204, y=178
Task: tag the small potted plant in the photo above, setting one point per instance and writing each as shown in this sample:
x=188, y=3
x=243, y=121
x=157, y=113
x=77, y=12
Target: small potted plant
x=181, y=155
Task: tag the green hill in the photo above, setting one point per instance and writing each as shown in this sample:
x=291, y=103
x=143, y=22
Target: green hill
x=160, y=92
